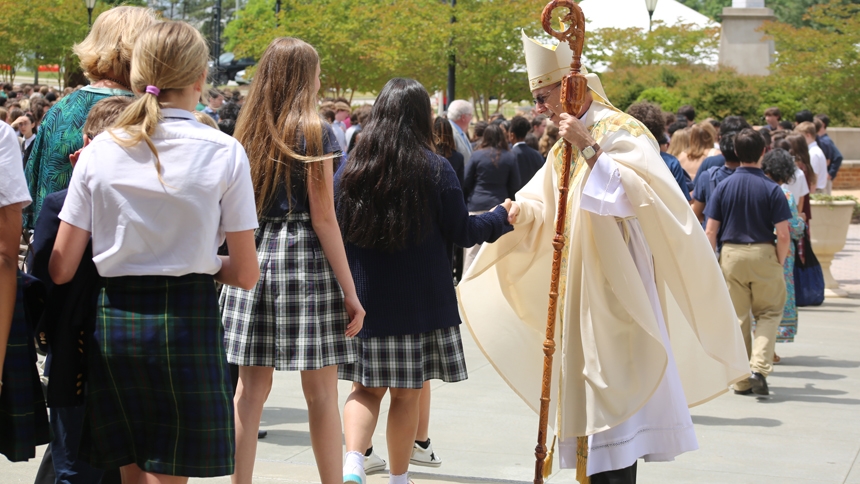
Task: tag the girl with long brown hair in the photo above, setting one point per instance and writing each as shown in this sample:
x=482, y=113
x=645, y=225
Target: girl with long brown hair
x=800, y=150
x=304, y=311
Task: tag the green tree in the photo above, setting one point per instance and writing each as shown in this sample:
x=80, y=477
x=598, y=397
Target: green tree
x=488, y=46
x=821, y=65
x=791, y=12
x=681, y=44
x=364, y=43
x=43, y=33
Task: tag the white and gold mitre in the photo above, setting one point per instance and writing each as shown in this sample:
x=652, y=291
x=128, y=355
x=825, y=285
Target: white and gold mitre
x=548, y=64
x=545, y=64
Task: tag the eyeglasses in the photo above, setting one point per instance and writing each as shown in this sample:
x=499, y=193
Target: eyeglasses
x=541, y=99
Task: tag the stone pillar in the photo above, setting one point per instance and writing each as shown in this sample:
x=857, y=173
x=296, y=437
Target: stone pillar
x=742, y=46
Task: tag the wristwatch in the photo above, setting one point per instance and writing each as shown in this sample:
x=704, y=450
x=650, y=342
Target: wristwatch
x=589, y=151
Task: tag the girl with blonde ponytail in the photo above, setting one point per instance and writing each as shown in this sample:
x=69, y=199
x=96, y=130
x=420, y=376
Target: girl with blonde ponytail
x=159, y=193
x=304, y=312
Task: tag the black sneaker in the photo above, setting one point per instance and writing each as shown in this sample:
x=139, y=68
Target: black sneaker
x=748, y=391
x=758, y=384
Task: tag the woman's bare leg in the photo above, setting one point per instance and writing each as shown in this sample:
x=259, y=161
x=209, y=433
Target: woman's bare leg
x=255, y=383
x=423, y=433
x=402, y=425
x=360, y=415
x=320, y=388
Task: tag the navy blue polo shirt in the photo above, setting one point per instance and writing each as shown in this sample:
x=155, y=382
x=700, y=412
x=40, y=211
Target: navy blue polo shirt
x=716, y=160
x=748, y=205
x=678, y=172
x=705, y=185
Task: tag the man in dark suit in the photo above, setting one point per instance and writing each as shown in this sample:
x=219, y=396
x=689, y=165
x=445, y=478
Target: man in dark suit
x=529, y=160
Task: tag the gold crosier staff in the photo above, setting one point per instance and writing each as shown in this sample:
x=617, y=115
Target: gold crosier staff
x=574, y=86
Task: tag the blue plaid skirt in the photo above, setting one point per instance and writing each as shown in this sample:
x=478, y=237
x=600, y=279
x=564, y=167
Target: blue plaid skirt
x=23, y=417
x=295, y=318
x=159, y=392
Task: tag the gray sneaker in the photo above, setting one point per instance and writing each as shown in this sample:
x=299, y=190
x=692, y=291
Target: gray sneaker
x=373, y=463
x=425, y=457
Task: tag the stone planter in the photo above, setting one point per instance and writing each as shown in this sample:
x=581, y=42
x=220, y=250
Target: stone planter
x=828, y=231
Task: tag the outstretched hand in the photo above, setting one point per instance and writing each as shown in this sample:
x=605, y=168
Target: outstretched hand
x=513, y=210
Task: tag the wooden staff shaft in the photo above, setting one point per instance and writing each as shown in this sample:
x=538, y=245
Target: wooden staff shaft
x=573, y=90
x=549, y=343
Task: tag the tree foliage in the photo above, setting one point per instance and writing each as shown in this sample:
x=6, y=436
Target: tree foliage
x=791, y=12
x=680, y=44
x=43, y=33
x=364, y=43
x=822, y=65
x=488, y=45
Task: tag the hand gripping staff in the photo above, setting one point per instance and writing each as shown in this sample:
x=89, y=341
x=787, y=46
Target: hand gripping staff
x=574, y=86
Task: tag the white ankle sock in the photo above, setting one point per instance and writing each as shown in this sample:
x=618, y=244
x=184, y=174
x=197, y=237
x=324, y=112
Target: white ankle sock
x=401, y=479
x=354, y=459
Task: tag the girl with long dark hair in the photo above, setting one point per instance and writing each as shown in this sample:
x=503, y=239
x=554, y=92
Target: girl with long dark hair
x=399, y=205
x=304, y=311
x=491, y=177
x=492, y=174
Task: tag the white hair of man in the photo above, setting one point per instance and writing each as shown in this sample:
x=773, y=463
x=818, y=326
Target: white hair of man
x=458, y=109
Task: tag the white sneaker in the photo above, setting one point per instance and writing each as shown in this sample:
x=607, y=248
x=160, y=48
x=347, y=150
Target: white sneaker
x=373, y=463
x=354, y=475
x=425, y=457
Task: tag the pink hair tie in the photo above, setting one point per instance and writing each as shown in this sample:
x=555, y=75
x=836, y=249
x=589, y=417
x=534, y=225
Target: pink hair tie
x=153, y=90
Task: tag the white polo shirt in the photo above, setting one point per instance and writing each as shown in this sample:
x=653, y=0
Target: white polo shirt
x=143, y=227
x=819, y=165
x=13, y=186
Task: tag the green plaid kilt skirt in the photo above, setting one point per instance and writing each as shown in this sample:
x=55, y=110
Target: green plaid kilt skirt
x=159, y=393
x=23, y=417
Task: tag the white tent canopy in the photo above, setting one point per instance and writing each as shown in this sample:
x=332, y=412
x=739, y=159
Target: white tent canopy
x=624, y=14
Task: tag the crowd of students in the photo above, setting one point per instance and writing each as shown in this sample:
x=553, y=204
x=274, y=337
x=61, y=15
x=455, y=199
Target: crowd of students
x=332, y=231
x=140, y=207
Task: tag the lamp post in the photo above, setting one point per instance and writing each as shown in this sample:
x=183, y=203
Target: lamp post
x=91, y=4
x=452, y=60
x=651, y=5
x=217, y=42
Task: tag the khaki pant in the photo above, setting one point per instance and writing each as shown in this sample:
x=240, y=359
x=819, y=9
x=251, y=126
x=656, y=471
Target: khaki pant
x=757, y=288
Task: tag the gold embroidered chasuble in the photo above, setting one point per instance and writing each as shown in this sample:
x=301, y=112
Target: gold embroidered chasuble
x=609, y=356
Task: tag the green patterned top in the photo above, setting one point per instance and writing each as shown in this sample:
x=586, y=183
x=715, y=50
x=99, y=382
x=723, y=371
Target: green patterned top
x=48, y=169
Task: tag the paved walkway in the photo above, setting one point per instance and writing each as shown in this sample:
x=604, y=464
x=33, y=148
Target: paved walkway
x=807, y=431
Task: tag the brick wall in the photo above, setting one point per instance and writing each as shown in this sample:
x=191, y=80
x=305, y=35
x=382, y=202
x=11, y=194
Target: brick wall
x=849, y=176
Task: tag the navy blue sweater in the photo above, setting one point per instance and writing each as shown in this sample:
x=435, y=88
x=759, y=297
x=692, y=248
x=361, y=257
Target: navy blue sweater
x=411, y=291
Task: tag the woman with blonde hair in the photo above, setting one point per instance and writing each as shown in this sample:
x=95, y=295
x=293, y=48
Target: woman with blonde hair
x=701, y=144
x=105, y=56
x=159, y=394
x=679, y=143
x=708, y=125
x=304, y=312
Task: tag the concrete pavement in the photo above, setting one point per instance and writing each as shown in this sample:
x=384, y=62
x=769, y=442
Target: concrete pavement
x=807, y=431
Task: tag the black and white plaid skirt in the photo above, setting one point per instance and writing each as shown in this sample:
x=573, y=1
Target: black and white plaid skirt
x=407, y=361
x=295, y=318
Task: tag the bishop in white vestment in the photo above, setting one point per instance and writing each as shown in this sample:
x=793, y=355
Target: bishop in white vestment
x=645, y=326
